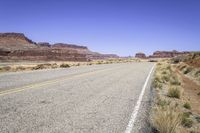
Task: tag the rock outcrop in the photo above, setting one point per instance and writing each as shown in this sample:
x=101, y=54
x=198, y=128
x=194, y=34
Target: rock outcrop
x=15, y=41
x=140, y=55
x=162, y=54
x=167, y=54
x=16, y=46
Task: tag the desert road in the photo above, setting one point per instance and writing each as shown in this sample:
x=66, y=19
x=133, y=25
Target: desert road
x=111, y=98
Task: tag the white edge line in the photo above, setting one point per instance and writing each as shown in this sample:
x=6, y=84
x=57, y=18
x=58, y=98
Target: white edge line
x=136, y=109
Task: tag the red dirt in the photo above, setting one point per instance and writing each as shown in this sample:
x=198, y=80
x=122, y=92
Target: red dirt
x=191, y=90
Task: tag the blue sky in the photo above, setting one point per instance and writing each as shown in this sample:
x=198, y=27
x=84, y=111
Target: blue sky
x=123, y=27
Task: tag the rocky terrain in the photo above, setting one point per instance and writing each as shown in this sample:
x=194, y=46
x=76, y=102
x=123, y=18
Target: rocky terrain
x=16, y=46
x=167, y=54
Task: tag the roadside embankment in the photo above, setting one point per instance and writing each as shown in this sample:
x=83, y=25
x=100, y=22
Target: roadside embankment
x=177, y=106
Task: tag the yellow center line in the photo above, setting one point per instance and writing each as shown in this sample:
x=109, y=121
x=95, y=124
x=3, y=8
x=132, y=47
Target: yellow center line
x=49, y=82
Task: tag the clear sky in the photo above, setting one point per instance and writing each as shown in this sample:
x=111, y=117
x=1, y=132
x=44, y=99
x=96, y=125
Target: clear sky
x=123, y=27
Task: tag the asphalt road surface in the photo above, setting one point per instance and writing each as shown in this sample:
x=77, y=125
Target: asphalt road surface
x=111, y=98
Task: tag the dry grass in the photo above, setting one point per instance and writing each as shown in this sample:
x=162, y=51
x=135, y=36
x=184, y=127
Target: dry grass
x=166, y=119
x=174, y=80
x=163, y=103
x=157, y=82
x=174, y=92
x=165, y=77
x=5, y=68
x=21, y=66
x=42, y=66
x=185, y=120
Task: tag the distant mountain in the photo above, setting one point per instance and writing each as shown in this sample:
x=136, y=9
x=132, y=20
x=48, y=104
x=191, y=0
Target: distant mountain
x=16, y=46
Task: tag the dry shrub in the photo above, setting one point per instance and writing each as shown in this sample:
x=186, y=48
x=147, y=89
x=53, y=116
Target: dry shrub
x=174, y=80
x=5, y=68
x=54, y=65
x=187, y=105
x=187, y=70
x=78, y=64
x=157, y=82
x=164, y=72
x=166, y=77
x=169, y=67
x=163, y=102
x=197, y=118
x=89, y=64
x=158, y=78
x=64, y=65
x=166, y=120
x=185, y=120
x=99, y=62
x=20, y=68
x=174, y=92
x=42, y=66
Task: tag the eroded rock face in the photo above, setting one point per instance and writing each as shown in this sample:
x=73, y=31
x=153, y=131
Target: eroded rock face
x=15, y=41
x=16, y=46
x=17, y=36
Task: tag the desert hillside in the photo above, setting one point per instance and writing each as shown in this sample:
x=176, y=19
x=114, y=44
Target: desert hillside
x=16, y=46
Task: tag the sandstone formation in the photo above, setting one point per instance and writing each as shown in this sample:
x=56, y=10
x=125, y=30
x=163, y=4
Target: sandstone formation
x=43, y=44
x=15, y=41
x=167, y=54
x=140, y=55
x=162, y=54
x=16, y=46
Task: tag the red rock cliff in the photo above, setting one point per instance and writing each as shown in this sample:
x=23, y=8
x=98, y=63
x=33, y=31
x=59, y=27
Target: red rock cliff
x=16, y=46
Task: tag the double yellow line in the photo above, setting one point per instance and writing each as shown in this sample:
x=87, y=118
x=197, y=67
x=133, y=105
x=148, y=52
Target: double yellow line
x=49, y=82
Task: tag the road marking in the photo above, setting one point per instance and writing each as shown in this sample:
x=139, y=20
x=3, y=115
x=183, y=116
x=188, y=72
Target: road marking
x=49, y=82
x=136, y=109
